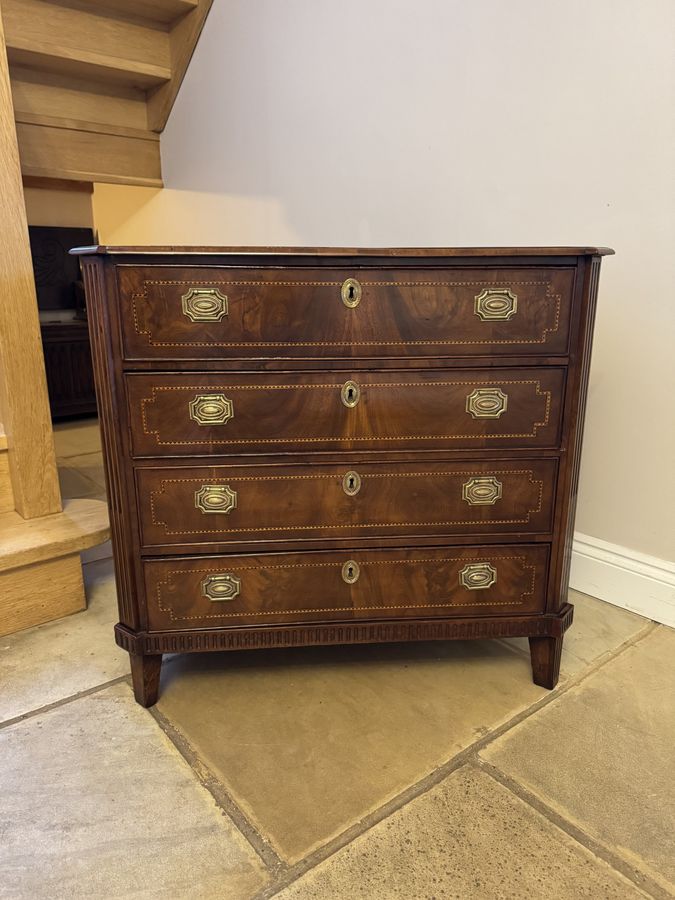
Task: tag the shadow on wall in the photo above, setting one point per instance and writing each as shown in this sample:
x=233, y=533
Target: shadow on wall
x=135, y=215
x=439, y=123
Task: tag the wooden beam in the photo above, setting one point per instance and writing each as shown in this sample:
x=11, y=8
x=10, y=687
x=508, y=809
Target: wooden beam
x=82, y=153
x=67, y=124
x=183, y=39
x=160, y=11
x=24, y=404
x=6, y=493
x=64, y=30
x=55, y=184
x=51, y=94
x=87, y=64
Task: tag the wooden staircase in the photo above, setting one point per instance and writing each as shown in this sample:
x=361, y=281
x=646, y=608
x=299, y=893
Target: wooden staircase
x=93, y=82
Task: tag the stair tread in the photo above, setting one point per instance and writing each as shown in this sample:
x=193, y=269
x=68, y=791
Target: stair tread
x=163, y=11
x=55, y=58
x=82, y=523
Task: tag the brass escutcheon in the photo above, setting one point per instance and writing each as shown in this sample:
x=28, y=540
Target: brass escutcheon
x=351, y=484
x=204, y=305
x=486, y=403
x=351, y=292
x=350, y=571
x=211, y=409
x=477, y=576
x=350, y=393
x=221, y=587
x=482, y=490
x=215, y=498
x=495, y=303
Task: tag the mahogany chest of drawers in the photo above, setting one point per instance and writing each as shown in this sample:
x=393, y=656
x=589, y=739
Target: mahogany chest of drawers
x=319, y=446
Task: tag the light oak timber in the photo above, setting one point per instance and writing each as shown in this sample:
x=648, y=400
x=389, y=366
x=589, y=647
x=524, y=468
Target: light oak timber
x=50, y=174
x=110, y=68
x=67, y=124
x=24, y=403
x=182, y=40
x=54, y=152
x=63, y=31
x=6, y=494
x=164, y=11
x=57, y=184
x=68, y=97
x=87, y=64
x=82, y=524
x=33, y=595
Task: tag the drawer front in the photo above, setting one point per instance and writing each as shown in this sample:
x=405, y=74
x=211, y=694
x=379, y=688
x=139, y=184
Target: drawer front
x=219, y=504
x=330, y=586
x=216, y=313
x=207, y=414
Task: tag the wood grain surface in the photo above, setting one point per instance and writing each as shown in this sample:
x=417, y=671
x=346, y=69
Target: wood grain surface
x=310, y=587
x=297, y=313
x=307, y=480
x=24, y=404
x=300, y=503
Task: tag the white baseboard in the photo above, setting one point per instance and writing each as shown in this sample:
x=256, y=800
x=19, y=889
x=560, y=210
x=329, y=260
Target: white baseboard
x=626, y=578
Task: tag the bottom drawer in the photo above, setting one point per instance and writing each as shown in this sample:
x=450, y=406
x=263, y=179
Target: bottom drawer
x=273, y=588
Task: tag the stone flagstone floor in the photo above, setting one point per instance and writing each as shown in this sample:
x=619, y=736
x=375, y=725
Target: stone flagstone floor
x=367, y=773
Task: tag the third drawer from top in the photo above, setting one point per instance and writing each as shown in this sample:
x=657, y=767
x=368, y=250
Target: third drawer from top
x=195, y=508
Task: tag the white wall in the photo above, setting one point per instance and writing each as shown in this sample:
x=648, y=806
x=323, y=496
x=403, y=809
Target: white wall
x=460, y=123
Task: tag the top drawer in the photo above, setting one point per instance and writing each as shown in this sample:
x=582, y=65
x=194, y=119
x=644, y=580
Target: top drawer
x=233, y=313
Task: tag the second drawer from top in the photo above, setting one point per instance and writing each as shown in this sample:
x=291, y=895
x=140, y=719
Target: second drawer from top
x=215, y=413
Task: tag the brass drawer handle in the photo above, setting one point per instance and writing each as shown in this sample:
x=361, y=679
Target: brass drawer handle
x=486, y=403
x=204, y=305
x=482, y=491
x=351, y=292
x=350, y=393
x=211, y=409
x=215, y=498
x=495, y=303
x=477, y=576
x=351, y=572
x=351, y=484
x=221, y=587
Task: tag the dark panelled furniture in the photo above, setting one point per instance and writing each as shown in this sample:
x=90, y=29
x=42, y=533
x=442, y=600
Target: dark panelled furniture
x=320, y=446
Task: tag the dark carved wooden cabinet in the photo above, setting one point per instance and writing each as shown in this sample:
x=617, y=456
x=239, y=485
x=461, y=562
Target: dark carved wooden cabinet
x=319, y=446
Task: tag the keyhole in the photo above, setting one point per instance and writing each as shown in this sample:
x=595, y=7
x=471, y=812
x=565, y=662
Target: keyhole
x=350, y=292
x=351, y=483
x=350, y=572
x=350, y=393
